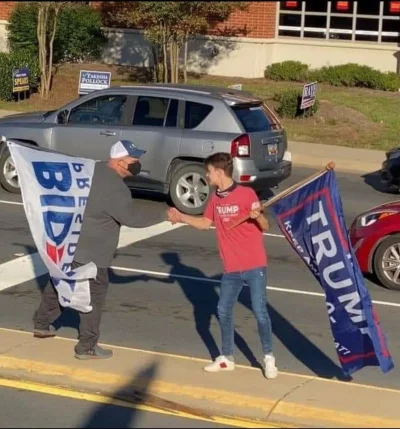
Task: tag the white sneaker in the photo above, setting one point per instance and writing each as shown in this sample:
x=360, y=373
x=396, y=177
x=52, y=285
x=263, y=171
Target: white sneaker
x=271, y=371
x=222, y=363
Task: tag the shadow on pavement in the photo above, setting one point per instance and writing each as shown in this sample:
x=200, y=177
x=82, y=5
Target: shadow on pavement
x=134, y=392
x=298, y=344
x=204, y=300
x=70, y=318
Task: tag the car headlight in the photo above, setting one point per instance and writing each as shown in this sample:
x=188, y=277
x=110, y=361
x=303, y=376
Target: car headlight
x=370, y=218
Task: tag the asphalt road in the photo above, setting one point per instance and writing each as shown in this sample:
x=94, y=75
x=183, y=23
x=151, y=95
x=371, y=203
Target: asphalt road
x=150, y=307
x=47, y=411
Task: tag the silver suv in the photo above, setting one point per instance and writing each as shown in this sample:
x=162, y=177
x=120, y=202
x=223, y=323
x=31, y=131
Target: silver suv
x=178, y=125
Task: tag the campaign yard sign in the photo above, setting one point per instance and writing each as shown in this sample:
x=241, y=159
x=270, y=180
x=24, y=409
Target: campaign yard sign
x=308, y=96
x=90, y=81
x=20, y=78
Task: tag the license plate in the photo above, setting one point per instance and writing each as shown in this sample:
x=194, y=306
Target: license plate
x=272, y=149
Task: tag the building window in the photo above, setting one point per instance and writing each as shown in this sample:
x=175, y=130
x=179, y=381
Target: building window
x=363, y=21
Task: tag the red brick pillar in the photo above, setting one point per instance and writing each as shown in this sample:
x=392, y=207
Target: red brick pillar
x=6, y=7
x=259, y=21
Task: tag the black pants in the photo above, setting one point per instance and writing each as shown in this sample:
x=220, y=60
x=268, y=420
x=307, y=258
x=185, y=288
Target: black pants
x=89, y=328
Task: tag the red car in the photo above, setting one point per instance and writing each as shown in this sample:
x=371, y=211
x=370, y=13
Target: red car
x=375, y=237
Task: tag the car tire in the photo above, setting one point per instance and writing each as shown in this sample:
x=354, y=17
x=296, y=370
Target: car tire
x=189, y=187
x=382, y=251
x=8, y=183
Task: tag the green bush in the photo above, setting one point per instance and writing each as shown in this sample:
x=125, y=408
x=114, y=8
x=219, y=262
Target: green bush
x=22, y=27
x=351, y=75
x=79, y=35
x=293, y=71
x=11, y=61
x=289, y=104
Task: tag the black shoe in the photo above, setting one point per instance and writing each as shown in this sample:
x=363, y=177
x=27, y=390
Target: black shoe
x=95, y=353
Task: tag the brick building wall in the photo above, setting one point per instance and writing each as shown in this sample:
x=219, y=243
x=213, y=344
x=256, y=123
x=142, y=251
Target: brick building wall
x=258, y=21
x=6, y=8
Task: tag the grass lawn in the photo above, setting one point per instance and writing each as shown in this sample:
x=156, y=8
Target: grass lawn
x=353, y=117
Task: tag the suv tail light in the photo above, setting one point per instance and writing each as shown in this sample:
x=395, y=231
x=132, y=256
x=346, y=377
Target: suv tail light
x=240, y=147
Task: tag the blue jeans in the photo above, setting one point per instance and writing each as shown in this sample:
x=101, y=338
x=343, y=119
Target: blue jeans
x=231, y=286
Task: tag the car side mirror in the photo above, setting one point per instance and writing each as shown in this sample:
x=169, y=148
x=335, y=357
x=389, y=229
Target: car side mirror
x=62, y=117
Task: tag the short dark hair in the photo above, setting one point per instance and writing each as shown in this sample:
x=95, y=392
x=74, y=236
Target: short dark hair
x=221, y=160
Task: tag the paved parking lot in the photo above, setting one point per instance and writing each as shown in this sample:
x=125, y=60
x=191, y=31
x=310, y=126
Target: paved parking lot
x=164, y=290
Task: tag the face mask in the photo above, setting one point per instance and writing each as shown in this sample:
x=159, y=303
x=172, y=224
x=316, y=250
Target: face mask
x=135, y=168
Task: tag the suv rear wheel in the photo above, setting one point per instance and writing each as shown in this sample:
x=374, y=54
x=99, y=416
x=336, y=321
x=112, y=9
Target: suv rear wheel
x=8, y=173
x=190, y=189
x=387, y=262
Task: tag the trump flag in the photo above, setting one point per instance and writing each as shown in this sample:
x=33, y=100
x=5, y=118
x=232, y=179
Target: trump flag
x=311, y=218
x=55, y=189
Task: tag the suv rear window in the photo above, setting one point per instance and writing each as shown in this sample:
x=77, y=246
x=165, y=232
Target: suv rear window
x=195, y=113
x=253, y=118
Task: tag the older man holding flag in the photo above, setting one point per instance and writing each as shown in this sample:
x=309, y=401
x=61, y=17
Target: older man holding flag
x=75, y=208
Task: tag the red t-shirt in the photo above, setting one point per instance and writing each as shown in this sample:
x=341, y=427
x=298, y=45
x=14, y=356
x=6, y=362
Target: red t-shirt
x=242, y=247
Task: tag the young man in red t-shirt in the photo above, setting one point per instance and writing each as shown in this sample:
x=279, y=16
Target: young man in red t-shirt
x=243, y=256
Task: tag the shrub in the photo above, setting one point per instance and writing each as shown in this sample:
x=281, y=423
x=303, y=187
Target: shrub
x=79, y=35
x=351, y=75
x=22, y=27
x=289, y=104
x=11, y=61
x=293, y=71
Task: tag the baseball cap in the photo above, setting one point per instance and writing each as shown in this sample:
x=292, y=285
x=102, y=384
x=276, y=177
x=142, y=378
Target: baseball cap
x=125, y=148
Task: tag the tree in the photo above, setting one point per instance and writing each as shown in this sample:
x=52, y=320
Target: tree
x=48, y=13
x=170, y=25
x=200, y=16
x=79, y=35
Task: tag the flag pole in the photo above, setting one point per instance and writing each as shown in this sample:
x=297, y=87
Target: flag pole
x=329, y=166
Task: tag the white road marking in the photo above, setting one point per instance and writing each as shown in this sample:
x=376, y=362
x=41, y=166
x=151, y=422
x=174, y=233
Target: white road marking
x=29, y=267
x=14, y=203
x=21, y=270
x=269, y=234
x=206, y=280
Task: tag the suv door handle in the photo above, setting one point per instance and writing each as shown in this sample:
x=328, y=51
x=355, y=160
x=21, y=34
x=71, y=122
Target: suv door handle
x=108, y=133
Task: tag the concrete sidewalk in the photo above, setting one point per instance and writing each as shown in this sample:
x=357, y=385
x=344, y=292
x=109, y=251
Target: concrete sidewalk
x=347, y=159
x=244, y=397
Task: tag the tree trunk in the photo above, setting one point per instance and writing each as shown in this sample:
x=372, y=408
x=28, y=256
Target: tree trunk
x=41, y=34
x=177, y=51
x=185, y=58
x=172, y=62
x=46, y=45
x=165, y=55
x=51, y=51
x=156, y=65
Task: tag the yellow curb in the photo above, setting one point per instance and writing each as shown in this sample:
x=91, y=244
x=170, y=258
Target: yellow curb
x=284, y=411
x=205, y=361
x=101, y=399
x=158, y=387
